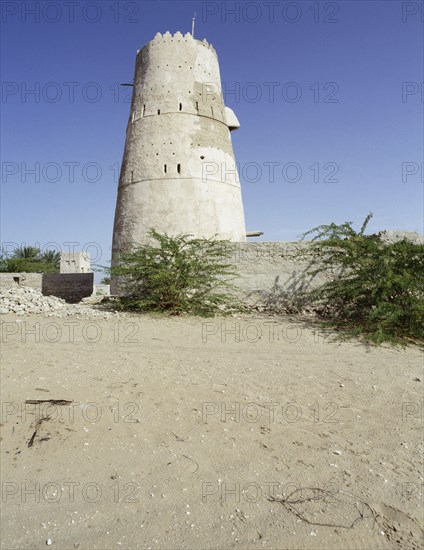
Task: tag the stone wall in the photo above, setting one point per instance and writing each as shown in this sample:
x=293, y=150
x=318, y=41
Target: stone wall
x=272, y=275
x=28, y=280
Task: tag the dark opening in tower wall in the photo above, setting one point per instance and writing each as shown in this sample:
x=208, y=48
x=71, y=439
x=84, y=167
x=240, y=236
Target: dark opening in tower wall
x=179, y=168
x=158, y=111
x=164, y=168
x=181, y=106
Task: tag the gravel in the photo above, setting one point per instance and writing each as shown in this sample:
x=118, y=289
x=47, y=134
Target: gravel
x=26, y=300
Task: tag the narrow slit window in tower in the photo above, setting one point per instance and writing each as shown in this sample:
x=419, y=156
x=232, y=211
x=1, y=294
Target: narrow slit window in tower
x=212, y=110
x=144, y=109
x=164, y=168
x=197, y=106
x=158, y=111
x=179, y=168
x=181, y=106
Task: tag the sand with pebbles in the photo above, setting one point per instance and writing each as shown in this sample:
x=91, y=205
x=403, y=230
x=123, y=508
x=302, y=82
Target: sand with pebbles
x=248, y=432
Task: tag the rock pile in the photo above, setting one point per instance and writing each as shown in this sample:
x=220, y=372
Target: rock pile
x=26, y=300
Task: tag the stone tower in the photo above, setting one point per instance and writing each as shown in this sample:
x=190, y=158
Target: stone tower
x=178, y=172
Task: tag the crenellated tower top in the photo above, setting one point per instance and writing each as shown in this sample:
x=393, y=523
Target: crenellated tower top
x=168, y=37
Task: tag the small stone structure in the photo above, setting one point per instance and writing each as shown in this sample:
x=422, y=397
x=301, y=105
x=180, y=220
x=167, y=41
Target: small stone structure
x=71, y=287
x=101, y=290
x=73, y=283
x=74, y=262
x=26, y=280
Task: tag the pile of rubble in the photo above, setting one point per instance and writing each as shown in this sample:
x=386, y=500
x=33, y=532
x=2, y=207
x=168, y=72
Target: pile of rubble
x=26, y=300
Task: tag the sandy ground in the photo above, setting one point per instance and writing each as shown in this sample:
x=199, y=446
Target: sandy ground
x=223, y=433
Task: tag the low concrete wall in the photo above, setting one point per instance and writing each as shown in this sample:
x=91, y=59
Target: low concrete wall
x=72, y=287
x=273, y=275
x=11, y=280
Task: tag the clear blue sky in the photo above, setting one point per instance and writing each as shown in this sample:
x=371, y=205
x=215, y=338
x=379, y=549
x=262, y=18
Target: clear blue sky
x=347, y=82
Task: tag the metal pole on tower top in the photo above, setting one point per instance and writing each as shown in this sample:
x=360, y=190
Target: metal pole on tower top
x=192, y=24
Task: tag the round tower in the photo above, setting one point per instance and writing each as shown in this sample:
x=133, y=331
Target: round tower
x=178, y=172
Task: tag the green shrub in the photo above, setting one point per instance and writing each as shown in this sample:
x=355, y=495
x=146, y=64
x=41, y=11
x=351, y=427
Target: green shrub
x=375, y=289
x=177, y=275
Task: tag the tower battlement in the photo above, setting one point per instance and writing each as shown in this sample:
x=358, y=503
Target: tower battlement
x=168, y=37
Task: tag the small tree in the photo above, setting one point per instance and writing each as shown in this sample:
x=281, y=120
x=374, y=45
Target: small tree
x=375, y=288
x=177, y=275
